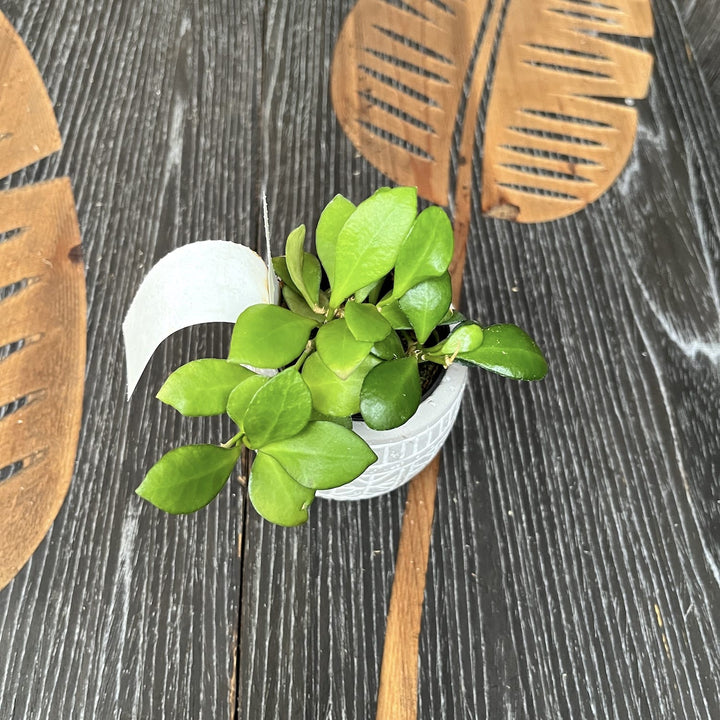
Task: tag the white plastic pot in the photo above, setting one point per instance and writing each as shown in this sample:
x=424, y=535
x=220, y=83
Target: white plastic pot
x=405, y=451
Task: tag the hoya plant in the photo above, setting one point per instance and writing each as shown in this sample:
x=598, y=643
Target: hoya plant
x=360, y=323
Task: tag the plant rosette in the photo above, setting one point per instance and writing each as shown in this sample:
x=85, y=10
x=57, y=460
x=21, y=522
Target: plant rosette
x=358, y=323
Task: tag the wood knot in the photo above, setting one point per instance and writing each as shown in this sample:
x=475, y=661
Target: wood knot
x=76, y=254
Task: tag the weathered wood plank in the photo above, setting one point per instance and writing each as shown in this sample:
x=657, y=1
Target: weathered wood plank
x=125, y=612
x=315, y=598
x=573, y=568
x=574, y=562
x=701, y=21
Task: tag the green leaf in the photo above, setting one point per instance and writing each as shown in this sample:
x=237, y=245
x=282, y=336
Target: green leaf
x=303, y=267
x=365, y=322
x=452, y=317
x=339, y=349
x=279, y=409
x=426, y=251
x=330, y=394
x=241, y=396
x=202, y=387
x=372, y=289
x=296, y=303
x=391, y=311
x=281, y=270
x=464, y=338
x=268, y=336
x=390, y=348
x=368, y=243
x=391, y=394
x=324, y=455
x=332, y=219
x=426, y=304
x=188, y=477
x=345, y=422
x=275, y=495
x=509, y=351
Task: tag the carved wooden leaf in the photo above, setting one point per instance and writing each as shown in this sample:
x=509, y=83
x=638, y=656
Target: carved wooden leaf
x=397, y=81
x=42, y=363
x=552, y=145
x=399, y=70
x=42, y=318
x=28, y=131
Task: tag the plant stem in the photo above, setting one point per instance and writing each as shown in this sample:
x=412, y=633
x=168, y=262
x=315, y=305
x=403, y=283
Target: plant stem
x=309, y=348
x=233, y=441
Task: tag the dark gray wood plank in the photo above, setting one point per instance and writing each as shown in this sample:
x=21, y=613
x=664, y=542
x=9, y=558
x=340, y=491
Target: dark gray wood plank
x=702, y=19
x=574, y=564
x=123, y=611
x=575, y=553
x=314, y=598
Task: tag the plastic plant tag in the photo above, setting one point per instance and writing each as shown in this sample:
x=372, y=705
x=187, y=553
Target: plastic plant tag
x=209, y=281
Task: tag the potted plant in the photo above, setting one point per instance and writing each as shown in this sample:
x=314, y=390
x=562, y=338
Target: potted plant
x=364, y=324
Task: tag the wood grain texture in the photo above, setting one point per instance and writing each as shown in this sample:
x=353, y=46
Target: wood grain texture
x=397, y=85
x=42, y=362
x=123, y=611
x=551, y=146
x=574, y=561
x=567, y=511
x=397, y=695
x=701, y=22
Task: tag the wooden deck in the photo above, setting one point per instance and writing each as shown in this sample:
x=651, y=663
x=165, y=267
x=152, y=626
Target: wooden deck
x=574, y=568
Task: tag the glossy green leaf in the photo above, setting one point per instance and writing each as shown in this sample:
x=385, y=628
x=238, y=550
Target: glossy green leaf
x=268, y=336
x=426, y=304
x=464, y=338
x=391, y=311
x=390, y=348
x=202, y=387
x=339, y=349
x=331, y=395
x=368, y=243
x=332, y=219
x=281, y=270
x=365, y=322
x=391, y=394
x=345, y=422
x=188, y=477
x=509, y=351
x=452, y=317
x=324, y=455
x=425, y=252
x=275, y=495
x=240, y=398
x=369, y=291
x=279, y=409
x=303, y=267
x=312, y=274
x=296, y=303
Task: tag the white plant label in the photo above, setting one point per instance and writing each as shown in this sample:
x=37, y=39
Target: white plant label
x=209, y=281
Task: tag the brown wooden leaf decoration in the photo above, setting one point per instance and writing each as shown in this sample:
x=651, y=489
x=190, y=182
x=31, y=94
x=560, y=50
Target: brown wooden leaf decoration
x=397, y=82
x=42, y=318
x=399, y=70
x=552, y=145
x=28, y=130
